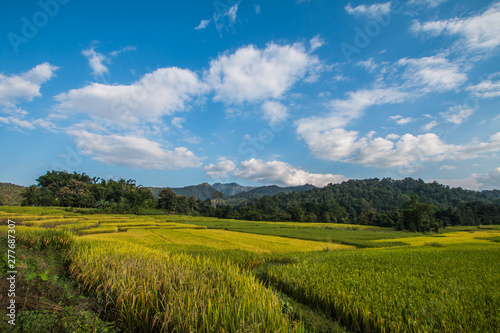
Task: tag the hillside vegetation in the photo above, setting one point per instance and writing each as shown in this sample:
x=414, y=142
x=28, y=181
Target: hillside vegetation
x=10, y=194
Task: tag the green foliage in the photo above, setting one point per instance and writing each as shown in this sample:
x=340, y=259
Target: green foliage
x=10, y=194
x=415, y=216
x=376, y=202
x=59, y=188
x=67, y=320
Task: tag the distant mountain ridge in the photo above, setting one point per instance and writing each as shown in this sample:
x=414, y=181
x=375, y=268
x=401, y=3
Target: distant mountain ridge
x=202, y=191
x=230, y=190
x=272, y=190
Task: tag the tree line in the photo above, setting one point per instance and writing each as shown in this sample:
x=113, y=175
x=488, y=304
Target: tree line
x=406, y=204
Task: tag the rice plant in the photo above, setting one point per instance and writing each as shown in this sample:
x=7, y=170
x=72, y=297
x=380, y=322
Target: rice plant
x=150, y=291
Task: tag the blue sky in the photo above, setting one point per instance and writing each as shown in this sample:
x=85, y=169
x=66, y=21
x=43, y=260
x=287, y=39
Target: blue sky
x=174, y=93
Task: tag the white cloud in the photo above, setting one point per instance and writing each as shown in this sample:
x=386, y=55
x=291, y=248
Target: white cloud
x=434, y=73
x=177, y=122
x=369, y=65
x=316, y=42
x=490, y=180
x=231, y=13
x=447, y=167
x=125, y=49
x=275, y=112
x=457, y=114
x=487, y=88
x=160, y=93
x=283, y=173
x=18, y=88
x=227, y=18
x=345, y=110
x=479, y=32
x=132, y=151
x=469, y=182
x=96, y=61
x=372, y=11
x=429, y=3
x=18, y=122
x=400, y=120
x=220, y=170
x=338, y=144
x=429, y=126
x=392, y=136
x=257, y=9
x=253, y=75
x=203, y=24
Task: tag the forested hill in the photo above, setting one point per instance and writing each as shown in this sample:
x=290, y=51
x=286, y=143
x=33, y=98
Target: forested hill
x=231, y=189
x=272, y=190
x=386, y=194
x=10, y=194
x=377, y=202
x=232, y=192
x=202, y=191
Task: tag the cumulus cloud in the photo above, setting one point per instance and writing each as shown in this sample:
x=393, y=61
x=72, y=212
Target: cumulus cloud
x=479, y=32
x=156, y=94
x=18, y=88
x=132, y=151
x=282, y=173
x=327, y=137
x=434, y=73
x=338, y=144
x=253, y=75
x=457, y=114
x=372, y=11
x=220, y=170
x=275, y=112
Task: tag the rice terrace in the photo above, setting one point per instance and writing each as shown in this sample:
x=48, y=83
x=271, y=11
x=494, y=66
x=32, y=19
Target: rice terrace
x=174, y=273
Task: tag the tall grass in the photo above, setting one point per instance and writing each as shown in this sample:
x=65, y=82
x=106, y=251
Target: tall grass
x=425, y=289
x=150, y=291
x=41, y=238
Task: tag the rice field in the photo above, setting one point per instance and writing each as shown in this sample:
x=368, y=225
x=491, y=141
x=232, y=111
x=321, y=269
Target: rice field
x=417, y=289
x=196, y=274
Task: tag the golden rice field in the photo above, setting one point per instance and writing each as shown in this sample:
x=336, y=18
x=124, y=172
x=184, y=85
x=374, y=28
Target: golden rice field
x=170, y=273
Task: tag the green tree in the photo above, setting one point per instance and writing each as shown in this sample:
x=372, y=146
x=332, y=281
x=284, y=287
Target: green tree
x=168, y=200
x=31, y=196
x=415, y=216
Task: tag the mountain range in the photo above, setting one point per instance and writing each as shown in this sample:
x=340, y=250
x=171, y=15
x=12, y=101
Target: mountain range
x=231, y=190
